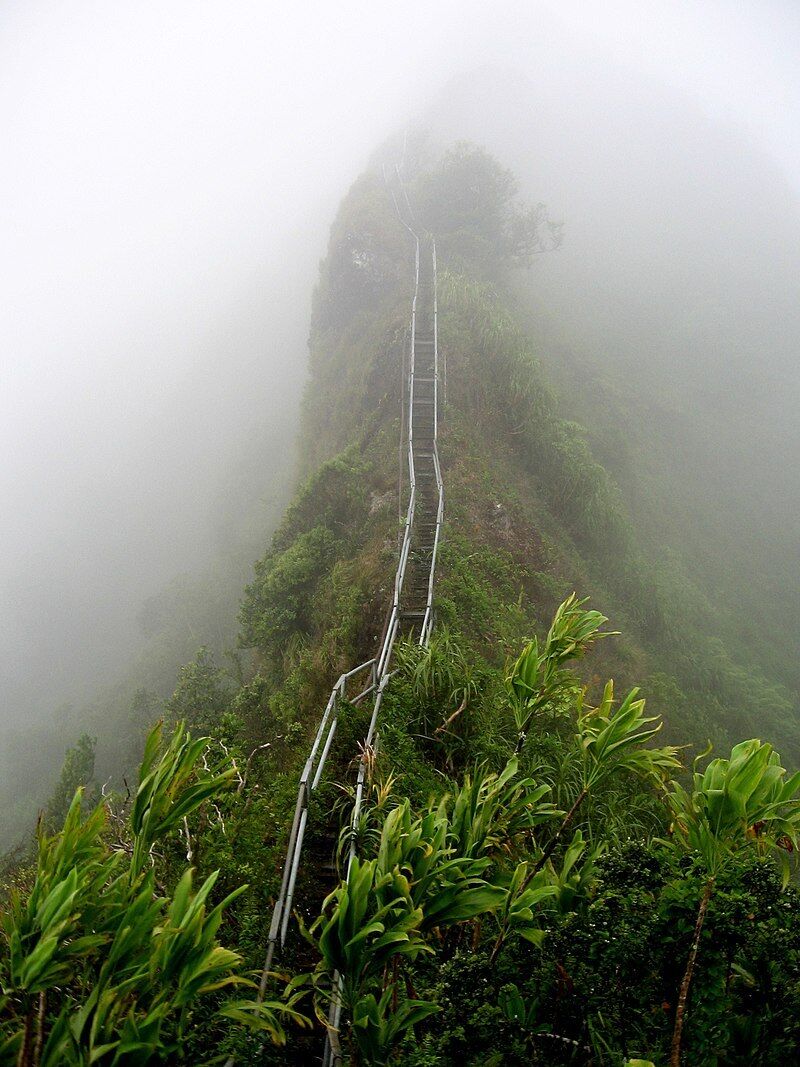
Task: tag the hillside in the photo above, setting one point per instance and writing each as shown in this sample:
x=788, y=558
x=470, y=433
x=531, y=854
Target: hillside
x=528, y=505
x=668, y=322
x=534, y=868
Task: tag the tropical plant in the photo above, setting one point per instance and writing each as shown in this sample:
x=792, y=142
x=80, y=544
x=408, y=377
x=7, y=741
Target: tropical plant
x=448, y=887
x=527, y=889
x=572, y=882
x=537, y=679
x=380, y=1023
x=744, y=802
x=172, y=785
x=517, y=914
x=367, y=924
x=102, y=965
x=430, y=873
x=494, y=814
x=610, y=742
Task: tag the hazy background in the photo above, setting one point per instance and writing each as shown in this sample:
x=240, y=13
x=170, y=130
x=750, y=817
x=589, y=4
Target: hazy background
x=169, y=174
x=669, y=321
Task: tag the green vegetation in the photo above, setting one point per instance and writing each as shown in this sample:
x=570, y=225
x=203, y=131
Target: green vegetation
x=538, y=880
x=104, y=964
x=491, y=878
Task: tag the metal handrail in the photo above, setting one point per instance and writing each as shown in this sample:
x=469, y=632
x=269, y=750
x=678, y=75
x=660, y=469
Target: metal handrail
x=331, y=1058
x=427, y=624
x=378, y=665
x=309, y=781
x=394, y=619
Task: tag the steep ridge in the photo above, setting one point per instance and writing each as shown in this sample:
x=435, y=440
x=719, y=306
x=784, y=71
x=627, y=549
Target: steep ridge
x=508, y=558
x=411, y=610
x=425, y=760
x=531, y=516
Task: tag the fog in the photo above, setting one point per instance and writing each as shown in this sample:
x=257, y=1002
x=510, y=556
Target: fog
x=674, y=305
x=170, y=172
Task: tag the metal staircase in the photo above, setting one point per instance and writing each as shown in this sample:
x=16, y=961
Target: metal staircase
x=411, y=610
x=417, y=599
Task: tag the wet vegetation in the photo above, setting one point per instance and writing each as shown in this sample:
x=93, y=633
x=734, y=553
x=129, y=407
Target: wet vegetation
x=552, y=867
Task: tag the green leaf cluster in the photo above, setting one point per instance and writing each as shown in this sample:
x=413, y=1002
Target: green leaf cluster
x=102, y=964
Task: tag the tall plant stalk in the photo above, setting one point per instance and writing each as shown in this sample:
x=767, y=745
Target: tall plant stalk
x=683, y=996
x=738, y=803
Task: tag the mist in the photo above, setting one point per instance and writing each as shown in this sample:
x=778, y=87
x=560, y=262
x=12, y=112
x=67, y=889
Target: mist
x=170, y=175
x=677, y=293
x=173, y=177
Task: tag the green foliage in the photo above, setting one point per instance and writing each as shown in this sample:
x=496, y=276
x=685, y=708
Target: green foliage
x=525, y=893
x=573, y=882
x=470, y=202
x=431, y=872
x=172, y=785
x=368, y=924
x=499, y=382
x=201, y=696
x=446, y=882
x=616, y=958
x=277, y=605
x=538, y=679
x=612, y=741
x=101, y=964
x=442, y=686
x=491, y=814
x=741, y=802
x=77, y=773
x=379, y=1025
x=479, y=591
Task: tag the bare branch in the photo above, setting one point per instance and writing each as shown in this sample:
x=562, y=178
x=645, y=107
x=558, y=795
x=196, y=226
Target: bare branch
x=256, y=750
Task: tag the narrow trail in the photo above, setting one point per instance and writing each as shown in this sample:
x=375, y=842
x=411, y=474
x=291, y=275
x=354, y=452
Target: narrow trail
x=411, y=611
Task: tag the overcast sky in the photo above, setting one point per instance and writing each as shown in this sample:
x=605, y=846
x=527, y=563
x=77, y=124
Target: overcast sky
x=169, y=173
